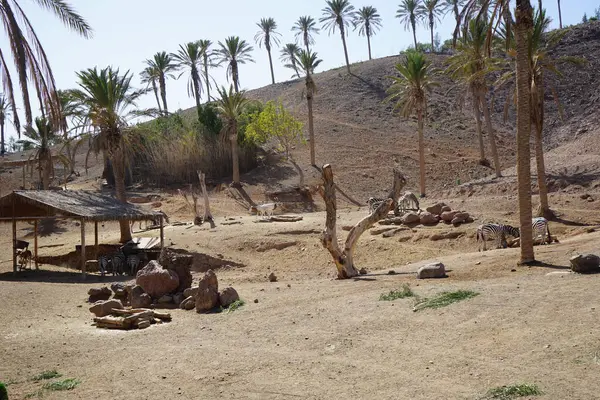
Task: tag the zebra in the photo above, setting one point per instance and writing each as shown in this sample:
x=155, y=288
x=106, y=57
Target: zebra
x=540, y=227
x=497, y=231
x=408, y=202
x=155, y=220
x=103, y=264
x=133, y=262
x=118, y=262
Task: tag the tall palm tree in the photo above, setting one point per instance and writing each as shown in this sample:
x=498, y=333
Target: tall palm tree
x=308, y=61
x=338, y=13
x=409, y=90
x=368, y=22
x=235, y=52
x=231, y=105
x=289, y=55
x=189, y=58
x=5, y=112
x=268, y=36
x=40, y=138
x=109, y=102
x=559, y=14
x=149, y=77
x=410, y=13
x=432, y=9
x=163, y=63
x=454, y=7
x=305, y=27
x=208, y=56
x=30, y=60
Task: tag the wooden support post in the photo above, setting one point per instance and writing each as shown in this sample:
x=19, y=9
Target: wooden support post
x=207, y=215
x=14, y=238
x=162, y=233
x=96, y=249
x=83, y=259
x=35, y=243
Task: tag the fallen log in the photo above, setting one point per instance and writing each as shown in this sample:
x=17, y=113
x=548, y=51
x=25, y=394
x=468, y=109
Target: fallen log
x=286, y=218
x=131, y=311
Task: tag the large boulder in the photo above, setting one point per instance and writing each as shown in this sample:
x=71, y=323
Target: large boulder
x=448, y=216
x=157, y=281
x=97, y=294
x=585, y=263
x=433, y=270
x=121, y=292
x=207, y=296
x=138, y=298
x=411, y=217
x=181, y=263
x=428, y=218
x=436, y=209
x=228, y=296
x=103, y=308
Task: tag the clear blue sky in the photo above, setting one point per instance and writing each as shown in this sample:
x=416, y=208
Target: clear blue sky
x=126, y=32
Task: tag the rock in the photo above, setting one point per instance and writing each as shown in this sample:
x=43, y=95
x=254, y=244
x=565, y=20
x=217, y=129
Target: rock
x=139, y=299
x=590, y=199
x=427, y=218
x=460, y=217
x=446, y=235
x=584, y=196
x=180, y=263
x=103, y=308
x=165, y=299
x=446, y=208
x=272, y=277
x=209, y=279
x=448, y=216
x=143, y=324
x=178, y=298
x=363, y=271
x=190, y=292
x=433, y=270
x=207, y=296
x=255, y=301
x=435, y=209
x=157, y=281
x=228, y=296
x=188, y=303
x=585, y=263
x=411, y=217
x=97, y=294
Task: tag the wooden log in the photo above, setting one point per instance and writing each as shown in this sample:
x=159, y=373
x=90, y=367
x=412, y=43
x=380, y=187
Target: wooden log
x=396, y=192
x=144, y=314
x=128, y=312
x=286, y=218
x=207, y=215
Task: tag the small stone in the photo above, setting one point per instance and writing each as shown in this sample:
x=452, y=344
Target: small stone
x=272, y=277
x=255, y=301
x=363, y=271
x=391, y=272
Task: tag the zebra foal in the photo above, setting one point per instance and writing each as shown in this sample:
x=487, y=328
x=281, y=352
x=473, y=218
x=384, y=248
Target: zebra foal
x=496, y=231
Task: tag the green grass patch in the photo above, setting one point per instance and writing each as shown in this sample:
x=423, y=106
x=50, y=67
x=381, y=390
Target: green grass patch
x=513, y=391
x=50, y=374
x=405, y=292
x=65, y=384
x=38, y=393
x=444, y=299
x=235, y=305
x=3, y=392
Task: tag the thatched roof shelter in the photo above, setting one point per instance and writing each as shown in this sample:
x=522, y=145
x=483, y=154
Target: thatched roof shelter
x=85, y=206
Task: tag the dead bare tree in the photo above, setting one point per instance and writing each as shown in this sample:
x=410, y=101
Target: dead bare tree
x=344, y=258
x=192, y=205
x=207, y=215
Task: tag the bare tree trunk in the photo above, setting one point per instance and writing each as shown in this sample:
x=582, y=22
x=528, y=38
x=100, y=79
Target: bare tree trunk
x=491, y=135
x=118, y=166
x=476, y=112
x=421, y=152
x=343, y=33
x=311, y=129
x=207, y=215
x=344, y=259
x=523, y=26
x=234, y=154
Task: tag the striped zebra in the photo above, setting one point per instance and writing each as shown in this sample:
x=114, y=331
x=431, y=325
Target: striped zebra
x=119, y=262
x=408, y=202
x=133, y=262
x=540, y=228
x=104, y=262
x=496, y=231
x=374, y=203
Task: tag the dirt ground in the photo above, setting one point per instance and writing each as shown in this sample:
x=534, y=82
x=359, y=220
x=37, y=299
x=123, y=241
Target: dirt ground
x=312, y=336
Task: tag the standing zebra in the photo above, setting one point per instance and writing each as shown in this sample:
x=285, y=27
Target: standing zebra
x=119, y=261
x=540, y=228
x=496, y=231
x=133, y=262
x=408, y=202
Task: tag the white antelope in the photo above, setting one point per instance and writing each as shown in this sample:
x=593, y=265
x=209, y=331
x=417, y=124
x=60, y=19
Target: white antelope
x=264, y=210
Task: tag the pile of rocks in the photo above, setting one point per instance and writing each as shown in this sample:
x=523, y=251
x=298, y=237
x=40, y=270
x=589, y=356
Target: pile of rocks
x=206, y=296
x=432, y=216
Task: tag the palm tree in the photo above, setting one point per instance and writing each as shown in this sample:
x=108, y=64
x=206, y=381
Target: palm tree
x=338, y=13
x=409, y=90
x=559, y=14
x=453, y=6
x=41, y=138
x=409, y=14
x=207, y=62
x=231, y=105
x=433, y=10
x=30, y=61
x=189, y=57
x=149, y=77
x=5, y=112
x=289, y=55
x=309, y=61
x=305, y=27
x=234, y=52
x=108, y=101
x=267, y=35
x=368, y=22
x=163, y=64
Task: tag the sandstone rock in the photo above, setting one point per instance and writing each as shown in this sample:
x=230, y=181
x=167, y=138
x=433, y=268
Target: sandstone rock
x=446, y=235
x=448, y=216
x=428, y=218
x=178, y=298
x=190, y=292
x=433, y=270
x=165, y=299
x=585, y=263
x=462, y=216
x=272, y=277
x=143, y=324
x=181, y=263
x=209, y=280
x=228, y=296
x=103, y=308
x=363, y=271
x=97, y=294
x=207, y=296
x=411, y=218
x=446, y=208
x=188, y=303
x=139, y=299
x=436, y=209
x=157, y=281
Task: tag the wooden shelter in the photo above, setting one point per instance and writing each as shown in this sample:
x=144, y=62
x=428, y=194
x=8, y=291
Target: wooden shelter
x=80, y=205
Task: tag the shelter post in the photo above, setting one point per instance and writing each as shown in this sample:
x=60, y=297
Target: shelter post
x=35, y=243
x=83, y=248
x=96, y=238
x=14, y=238
x=162, y=233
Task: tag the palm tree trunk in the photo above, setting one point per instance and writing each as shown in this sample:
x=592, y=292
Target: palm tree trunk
x=369, y=44
x=118, y=166
x=206, y=76
x=163, y=93
x=2, y=149
x=540, y=7
x=491, y=135
x=559, y=14
x=476, y=112
x=431, y=29
x=196, y=83
x=414, y=34
x=45, y=167
x=271, y=65
x=306, y=42
x=342, y=32
x=421, y=151
x=311, y=129
x=538, y=110
x=234, y=73
x=523, y=26
x=234, y=153
x=155, y=89
x=295, y=67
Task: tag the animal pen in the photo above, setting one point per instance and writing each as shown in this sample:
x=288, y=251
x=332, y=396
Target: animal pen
x=82, y=206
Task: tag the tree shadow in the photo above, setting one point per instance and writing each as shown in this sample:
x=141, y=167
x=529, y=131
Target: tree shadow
x=544, y=264
x=53, y=276
x=571, y=176
x=378, y=90
x=47, y=227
